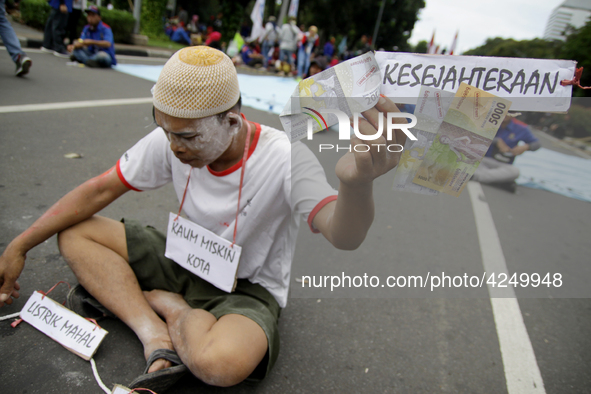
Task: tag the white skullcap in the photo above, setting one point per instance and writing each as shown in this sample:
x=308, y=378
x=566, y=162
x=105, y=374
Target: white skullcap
x=196, y=82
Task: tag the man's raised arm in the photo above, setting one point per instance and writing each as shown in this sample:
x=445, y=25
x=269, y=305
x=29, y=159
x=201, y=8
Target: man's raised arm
x=76, y=206
x=346, y=221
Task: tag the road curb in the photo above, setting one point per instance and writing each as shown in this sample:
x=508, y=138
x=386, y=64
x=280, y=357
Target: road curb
x=36, y=44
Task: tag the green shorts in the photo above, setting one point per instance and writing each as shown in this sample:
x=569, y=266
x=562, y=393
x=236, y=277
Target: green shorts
x=146, y=246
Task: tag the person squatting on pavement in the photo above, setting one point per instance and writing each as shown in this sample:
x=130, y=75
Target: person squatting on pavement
x=496, y=168
x=13, y=45
x=222, y=338
x=95, y=47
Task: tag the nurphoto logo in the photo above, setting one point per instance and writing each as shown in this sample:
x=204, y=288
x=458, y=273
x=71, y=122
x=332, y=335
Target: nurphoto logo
x=345, y=130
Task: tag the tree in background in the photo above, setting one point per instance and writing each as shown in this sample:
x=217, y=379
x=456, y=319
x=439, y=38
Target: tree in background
x=421, y=47
x=123, y=5
x=397, y=25
x=270, y=9
x=154, y=12
x=151, y=19
x=353, y=18
x=501, y=47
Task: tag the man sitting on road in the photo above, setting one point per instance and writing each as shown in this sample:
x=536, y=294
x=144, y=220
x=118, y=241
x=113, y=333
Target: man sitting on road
x=95, y=47
x=258, y=201
x=250, y=56
x=496, y=168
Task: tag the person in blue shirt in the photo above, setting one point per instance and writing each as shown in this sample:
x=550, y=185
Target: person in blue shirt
x=55, y=27
x=95, y=47
x=329, y=48
x=250, y=57
x=497, y=167
x=180, y=35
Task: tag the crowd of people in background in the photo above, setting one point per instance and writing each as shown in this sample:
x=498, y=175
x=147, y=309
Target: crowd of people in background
x=288, y=50
x=293, y=50
x=194, y=32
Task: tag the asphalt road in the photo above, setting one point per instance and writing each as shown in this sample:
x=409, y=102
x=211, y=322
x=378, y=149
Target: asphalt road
x=395, y=340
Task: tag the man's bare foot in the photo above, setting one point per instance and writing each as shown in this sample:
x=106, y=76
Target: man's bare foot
x=155, y=345
x=158, y=339
x=165, y=303
x=168, y=305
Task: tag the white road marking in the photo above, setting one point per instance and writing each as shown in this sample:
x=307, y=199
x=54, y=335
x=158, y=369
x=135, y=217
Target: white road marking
x=72, y=104
x=521, y=368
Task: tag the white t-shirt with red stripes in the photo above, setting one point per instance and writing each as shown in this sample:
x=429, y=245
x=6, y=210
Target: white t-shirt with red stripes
x=283, y=184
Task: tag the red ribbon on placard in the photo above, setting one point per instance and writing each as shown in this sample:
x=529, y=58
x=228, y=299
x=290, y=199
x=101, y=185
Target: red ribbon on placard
x=184, y=195
x=19, y=321
x=576, y=81
x=54, y=286
x=244, y=157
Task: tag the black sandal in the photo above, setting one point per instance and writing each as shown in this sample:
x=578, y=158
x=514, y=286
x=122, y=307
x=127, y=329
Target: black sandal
x=81, y=302
x=163, y=379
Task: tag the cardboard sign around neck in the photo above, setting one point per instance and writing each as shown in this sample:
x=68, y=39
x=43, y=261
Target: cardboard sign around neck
x=202, y=252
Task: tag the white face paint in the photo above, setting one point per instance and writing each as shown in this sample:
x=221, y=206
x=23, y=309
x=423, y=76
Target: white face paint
x=199, y=142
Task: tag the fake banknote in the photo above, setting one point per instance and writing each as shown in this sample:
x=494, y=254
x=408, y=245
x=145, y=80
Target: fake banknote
x=462, y=141
x=430, y=110
x=351, y=86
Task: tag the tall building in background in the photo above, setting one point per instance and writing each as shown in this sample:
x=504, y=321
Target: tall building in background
x=570, y=12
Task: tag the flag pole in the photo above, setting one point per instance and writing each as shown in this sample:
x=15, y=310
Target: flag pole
x=375, y=31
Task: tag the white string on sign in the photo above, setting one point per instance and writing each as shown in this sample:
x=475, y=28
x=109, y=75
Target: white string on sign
x=12, y=316
x=98, y=378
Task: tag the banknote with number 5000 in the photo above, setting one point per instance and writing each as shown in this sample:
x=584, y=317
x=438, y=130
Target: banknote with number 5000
x=462, y=141
x=430, y=111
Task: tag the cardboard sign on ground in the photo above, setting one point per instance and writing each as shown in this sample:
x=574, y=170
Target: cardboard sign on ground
x=70, y=330
x=118, y=389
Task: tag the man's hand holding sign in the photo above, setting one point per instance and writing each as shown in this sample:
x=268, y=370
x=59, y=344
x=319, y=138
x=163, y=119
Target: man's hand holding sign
x=360, y=167
x=346, y=222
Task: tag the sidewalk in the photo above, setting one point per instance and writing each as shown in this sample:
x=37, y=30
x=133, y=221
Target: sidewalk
x=33, y=38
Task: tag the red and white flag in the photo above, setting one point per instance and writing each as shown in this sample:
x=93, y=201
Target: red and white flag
x=453, y=45
x=431, y=47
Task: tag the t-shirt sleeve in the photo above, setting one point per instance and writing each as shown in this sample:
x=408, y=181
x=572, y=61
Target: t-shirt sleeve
x=526, y=135
x=108, y=35
x=306, y=184
x=147, y=165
